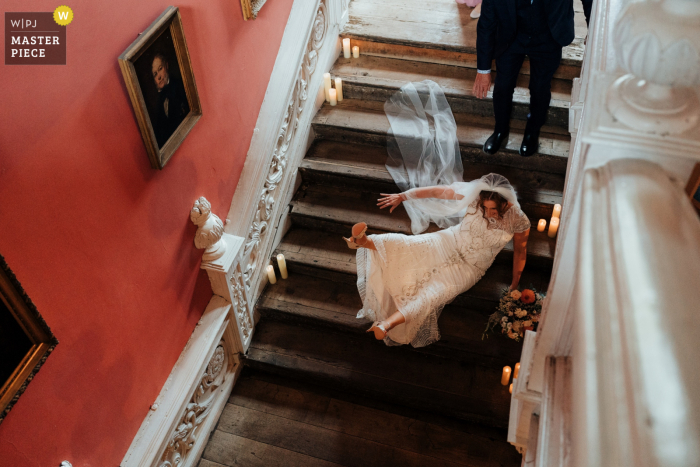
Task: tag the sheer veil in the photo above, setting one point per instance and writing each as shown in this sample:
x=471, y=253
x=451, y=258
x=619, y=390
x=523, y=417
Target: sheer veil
x=423, y=151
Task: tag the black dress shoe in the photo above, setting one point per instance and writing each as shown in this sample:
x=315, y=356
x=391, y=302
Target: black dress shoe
x=493, y=144
x=531, y=142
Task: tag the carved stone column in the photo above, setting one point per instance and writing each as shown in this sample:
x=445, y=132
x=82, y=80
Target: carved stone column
x=221, y=260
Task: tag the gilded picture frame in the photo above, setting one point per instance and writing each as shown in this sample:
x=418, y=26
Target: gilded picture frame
x=26, y=339
x=160, y=81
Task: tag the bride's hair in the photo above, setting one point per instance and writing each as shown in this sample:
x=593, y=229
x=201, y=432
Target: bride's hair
x=501, y=202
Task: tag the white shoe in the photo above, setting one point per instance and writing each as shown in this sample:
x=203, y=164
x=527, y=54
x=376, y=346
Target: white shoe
x=476, y=12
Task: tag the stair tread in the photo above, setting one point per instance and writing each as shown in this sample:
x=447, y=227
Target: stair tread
x=435, y=24
x=327, y=251
x=472, y=130
x=366, y=366
x=348, y=208
x=456, y=82
x=367, y=162
x=323, y=302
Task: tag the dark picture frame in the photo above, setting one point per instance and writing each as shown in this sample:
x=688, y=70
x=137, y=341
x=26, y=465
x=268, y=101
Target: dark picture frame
x=693, y=187
x=159, y=78
x=25, y=340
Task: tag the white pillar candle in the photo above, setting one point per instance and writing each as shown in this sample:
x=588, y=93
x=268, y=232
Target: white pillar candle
x=517, y=370
x=271, y=274
x=339, y=89
x=505, y=377
x=553, y=227
x=282, y=263
x=334, y=99
x=356, y=52
x=327, y=85
x=557, y=210
x=346, y=47
x=541, y=225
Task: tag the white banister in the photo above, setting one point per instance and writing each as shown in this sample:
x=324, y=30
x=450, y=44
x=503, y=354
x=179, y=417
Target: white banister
x=635, y=126
x=638, y=295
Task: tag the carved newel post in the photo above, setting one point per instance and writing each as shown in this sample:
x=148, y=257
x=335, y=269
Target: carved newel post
x=221, y=260
x=658, y=44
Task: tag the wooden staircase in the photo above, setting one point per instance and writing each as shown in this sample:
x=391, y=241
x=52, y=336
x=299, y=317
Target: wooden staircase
x=309, y=351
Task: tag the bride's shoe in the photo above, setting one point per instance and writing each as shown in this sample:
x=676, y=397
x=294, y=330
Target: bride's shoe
x=352, y=244
x=380, y=331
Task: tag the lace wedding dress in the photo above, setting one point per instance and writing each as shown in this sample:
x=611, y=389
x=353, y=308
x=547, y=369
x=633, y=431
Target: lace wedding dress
x=419, y=274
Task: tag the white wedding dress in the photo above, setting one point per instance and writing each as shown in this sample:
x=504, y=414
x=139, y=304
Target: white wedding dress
x=419, y=274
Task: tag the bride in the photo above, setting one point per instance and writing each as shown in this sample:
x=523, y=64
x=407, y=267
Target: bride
x=406, y=280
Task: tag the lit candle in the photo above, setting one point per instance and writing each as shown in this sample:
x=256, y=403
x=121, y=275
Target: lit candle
x=327, y=85
x=553, y=227
x=282, y=263
x=557, y=210
x=510, y=389
x=541, y=225
x=505, y=378
x=346, y=47
x=271, y=274
x=339, y=89
x=356, y=52
x=517, y=370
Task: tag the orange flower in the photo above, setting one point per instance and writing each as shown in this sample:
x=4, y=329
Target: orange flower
x=528, y=296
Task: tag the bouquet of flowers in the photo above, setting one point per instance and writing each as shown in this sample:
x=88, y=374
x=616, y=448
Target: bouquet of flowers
x=517, y=312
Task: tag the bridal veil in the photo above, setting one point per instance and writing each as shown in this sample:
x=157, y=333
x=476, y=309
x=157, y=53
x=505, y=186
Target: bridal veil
x=423, y=151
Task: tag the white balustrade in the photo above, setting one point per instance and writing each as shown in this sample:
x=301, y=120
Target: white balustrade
x=623, y=296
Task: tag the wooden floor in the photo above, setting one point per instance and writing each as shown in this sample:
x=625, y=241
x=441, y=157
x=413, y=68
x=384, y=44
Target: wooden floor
x=271, y=422
x=442, y=24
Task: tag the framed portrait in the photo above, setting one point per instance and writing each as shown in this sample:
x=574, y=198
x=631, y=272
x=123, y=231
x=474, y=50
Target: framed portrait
x=25, y=340
x=693, y=187
x=160, y=81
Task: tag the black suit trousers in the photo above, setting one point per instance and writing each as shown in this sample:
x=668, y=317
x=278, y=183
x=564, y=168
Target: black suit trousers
x=545, y=56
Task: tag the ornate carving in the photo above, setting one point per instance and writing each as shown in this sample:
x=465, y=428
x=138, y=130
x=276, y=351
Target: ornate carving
x=658, y=43
x=210, y=230
x=245, y=324
x=185, y=435
x=263, y=215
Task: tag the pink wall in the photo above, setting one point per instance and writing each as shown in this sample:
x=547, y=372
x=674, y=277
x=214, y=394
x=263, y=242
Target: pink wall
x=101, y=242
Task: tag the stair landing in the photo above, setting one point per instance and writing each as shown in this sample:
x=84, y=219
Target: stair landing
x=434, y=24
x=333, y=429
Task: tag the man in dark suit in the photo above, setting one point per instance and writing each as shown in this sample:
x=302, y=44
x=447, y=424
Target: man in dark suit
x=507, y=31
x=172, y=106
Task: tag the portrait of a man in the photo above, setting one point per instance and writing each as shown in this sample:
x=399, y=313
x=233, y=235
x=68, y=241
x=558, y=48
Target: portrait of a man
x=161, y=83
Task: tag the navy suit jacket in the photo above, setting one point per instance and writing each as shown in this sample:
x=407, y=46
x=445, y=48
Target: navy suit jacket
x=496, y=29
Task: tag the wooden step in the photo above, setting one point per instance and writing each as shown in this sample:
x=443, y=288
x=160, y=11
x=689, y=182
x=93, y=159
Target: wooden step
x=365, y=122
x=351, y=165
x=320, y=207
x=272, y=421
x=377, y=78
x=437, y=31
x=324, y=254
x=321, y=302
x=366, y=367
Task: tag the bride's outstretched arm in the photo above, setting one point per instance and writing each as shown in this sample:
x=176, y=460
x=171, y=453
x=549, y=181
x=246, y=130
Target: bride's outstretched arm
x=393, y=200
x=519, y=256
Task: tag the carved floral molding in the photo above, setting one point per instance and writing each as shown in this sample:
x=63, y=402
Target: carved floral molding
x=280, y=158
x=199, y=407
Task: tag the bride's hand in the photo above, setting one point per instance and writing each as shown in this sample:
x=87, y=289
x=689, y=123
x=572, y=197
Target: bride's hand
x=512, y=287
x=389, y=200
